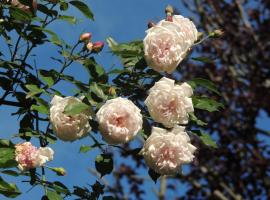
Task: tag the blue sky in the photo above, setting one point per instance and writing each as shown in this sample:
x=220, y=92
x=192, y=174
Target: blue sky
x=124, y=21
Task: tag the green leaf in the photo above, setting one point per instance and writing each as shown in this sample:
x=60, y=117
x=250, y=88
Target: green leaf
x=196, y=120
x=98, y=91
x=69, y=19
x=83, y=8
x=10, y=172
x=52, y=195
x=84, y=149
x=41, y=109
x=54, y=37
x=95, y=70
x=205, y=103
x=59, y=187
x=204, y=59
x=104, y=164
x=19, y=14
x=204, y=83
x=46, y=78
x=9, y=190
x=34, y=89
x=6, y=143
x=7, y=156
x=206, y=138
x=129, y=53
x=76, y=108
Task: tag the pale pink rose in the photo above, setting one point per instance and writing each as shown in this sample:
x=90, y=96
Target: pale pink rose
x=166, y=151
x=68, y=128
x=28, y=156
x=168, y=103
x=85, y=37
x=119, y=120
x=167, y=43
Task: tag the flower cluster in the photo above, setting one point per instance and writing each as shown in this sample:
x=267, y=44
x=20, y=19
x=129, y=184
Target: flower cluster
x=28, y=156
x=167, y=43
x=170, y=104
x=95, y=47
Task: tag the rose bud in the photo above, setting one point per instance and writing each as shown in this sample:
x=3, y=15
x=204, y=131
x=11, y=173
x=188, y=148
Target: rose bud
x=98, y=46
x=85, y=37
x=89, y=46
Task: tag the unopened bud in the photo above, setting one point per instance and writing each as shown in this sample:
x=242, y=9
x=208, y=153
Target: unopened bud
x=59, y=171
x=112, y=91
x=89, y=46
x=85, y=37
x=150, y=24
x=216, y=33
x=169, y=10
x=97, y=46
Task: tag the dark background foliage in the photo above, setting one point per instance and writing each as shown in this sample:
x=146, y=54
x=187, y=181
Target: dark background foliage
x=237, y=63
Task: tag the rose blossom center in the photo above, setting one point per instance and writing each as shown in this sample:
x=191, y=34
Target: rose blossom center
x=26, y=156
x=167, y=154
x=169, y=108
x=119, y=121
x=164, y=48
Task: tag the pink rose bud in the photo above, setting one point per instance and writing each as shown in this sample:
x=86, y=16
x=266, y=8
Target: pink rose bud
x=98, y=46
x=85, y=37
x=89, y=46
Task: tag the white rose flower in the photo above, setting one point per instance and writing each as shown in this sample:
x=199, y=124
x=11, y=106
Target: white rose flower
x=168, y=103
x=165, y=151
x=119, y=120
x=68, y=128
x=167, y=43
x=28, y=156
